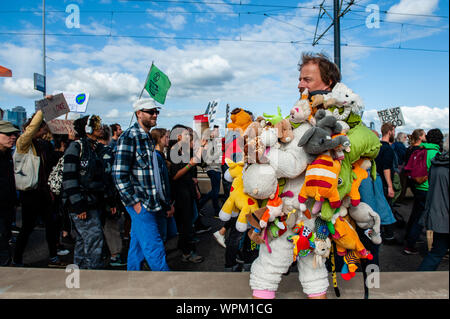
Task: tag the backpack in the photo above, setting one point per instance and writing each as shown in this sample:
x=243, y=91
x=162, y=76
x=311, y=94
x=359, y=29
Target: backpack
x=416, y=168
x=56, y=175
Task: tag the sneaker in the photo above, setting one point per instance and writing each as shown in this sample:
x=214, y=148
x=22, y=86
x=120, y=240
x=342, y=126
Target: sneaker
x=62, y=252
x=117, y=261
x=239, y=258
x=235, y=268
x=220, y=239
x=202, y=229
x=56, y=263
x=410, y=251
x=193, y=258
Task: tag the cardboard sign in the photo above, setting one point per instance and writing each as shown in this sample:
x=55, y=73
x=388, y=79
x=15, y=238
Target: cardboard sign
x=393, y=116
x=61, y=126
x=53, y=108
x=77, y=101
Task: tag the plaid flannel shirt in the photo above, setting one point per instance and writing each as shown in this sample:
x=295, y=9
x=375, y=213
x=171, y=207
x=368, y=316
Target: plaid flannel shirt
x=133, y=169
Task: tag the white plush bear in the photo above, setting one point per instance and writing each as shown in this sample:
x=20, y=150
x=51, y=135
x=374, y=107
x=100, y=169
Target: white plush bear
x=342, y=96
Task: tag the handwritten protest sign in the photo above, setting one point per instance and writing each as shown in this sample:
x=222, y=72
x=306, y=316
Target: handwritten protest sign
x=61, y=126
x=77, y=101
x=53, y=108
x=393, y=116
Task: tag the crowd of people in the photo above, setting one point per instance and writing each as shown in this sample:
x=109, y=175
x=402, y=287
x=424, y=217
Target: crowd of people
x=105, y=185
x=399, y=158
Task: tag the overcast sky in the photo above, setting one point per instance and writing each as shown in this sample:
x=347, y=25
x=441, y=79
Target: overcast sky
x=243, y=53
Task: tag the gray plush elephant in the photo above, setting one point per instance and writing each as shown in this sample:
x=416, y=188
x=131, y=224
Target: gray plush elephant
x=317, y=139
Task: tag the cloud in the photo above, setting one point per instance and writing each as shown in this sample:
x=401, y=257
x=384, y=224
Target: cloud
x=23, y=87
x=411, y=7
x=101, y=85
x=420, y=116
x=172, y=18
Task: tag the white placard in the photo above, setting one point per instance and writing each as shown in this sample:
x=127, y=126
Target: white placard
x=77, y=101
x=53, y=108
x=392, y=115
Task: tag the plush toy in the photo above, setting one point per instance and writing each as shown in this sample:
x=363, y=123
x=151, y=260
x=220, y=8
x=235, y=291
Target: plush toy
x=284, y=130
x=240, y=120
x=303, y=241
x=366, y=218
x=338, y=152
x=351, y=263
x=321, y=251
x=238, y=201
x=274, y=209
x=344, y=98
x=346, y=238
x=253, y=220
x=321, y=178
x=359, y=169
x=301, y=112
x=274, y=119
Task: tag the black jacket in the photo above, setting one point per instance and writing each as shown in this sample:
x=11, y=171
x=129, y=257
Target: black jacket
x=8, y=195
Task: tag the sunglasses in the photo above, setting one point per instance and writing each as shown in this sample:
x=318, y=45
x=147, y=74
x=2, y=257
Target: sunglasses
x=151, y=112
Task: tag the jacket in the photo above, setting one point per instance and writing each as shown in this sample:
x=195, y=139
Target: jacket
x=435, y=216
x=8, y=197
x=40, y=147
x=83, y=176
x=432, y=150
x=133, y=169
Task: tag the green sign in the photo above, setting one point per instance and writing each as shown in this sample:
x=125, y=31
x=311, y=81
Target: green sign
x=157, y=84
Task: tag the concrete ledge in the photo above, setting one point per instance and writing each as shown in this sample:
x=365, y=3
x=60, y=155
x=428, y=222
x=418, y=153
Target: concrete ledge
x=21, y=283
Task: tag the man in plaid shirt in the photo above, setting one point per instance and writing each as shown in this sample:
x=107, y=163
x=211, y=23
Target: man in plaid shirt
x=141, y=189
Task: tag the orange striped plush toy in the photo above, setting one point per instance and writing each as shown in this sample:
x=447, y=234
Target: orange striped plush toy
x=321, y=181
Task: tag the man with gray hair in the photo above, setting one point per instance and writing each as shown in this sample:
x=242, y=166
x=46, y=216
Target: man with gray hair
x=137, y=178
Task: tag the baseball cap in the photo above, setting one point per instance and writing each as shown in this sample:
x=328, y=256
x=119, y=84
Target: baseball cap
x=144, y=104
x=7, y=127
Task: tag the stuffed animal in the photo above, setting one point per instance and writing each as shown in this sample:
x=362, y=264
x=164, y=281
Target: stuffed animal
x=303, y=241
x=359, y=169
x=346, y=238
x=238, y=201
x=274, y=209
x=338, y=152
x=366, y=218
x=321, y=178
x=253, y=220
x=284, y=130
x=321, y=251
x=301, y=112
x=240, y=120
x=344, y=98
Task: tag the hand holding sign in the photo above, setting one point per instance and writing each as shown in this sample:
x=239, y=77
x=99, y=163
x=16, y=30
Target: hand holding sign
x=53, y=106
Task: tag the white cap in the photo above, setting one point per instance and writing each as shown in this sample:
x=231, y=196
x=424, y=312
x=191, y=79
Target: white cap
x=146, y=103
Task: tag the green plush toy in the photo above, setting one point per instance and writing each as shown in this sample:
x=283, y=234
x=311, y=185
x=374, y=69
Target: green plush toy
x=274, y=119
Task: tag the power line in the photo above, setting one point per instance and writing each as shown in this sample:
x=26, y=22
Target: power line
x=216, y=39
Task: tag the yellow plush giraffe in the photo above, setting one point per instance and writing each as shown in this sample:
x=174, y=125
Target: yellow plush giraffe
x=238, y=202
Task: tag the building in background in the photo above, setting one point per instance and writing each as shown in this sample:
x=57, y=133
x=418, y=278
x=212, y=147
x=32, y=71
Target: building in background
x=1, y=114
x=17, y=116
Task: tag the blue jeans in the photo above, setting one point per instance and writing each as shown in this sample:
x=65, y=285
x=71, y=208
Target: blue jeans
x=440, y=246
x=145, y=242
x=215, y=177
x=167, y=226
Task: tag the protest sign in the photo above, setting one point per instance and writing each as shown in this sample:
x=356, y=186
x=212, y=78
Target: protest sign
x=53, y=108
x=392, y=115
x=61, y=126
x=77, y=101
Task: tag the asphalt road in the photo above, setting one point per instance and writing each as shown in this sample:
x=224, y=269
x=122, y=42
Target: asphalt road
x=391, y=258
